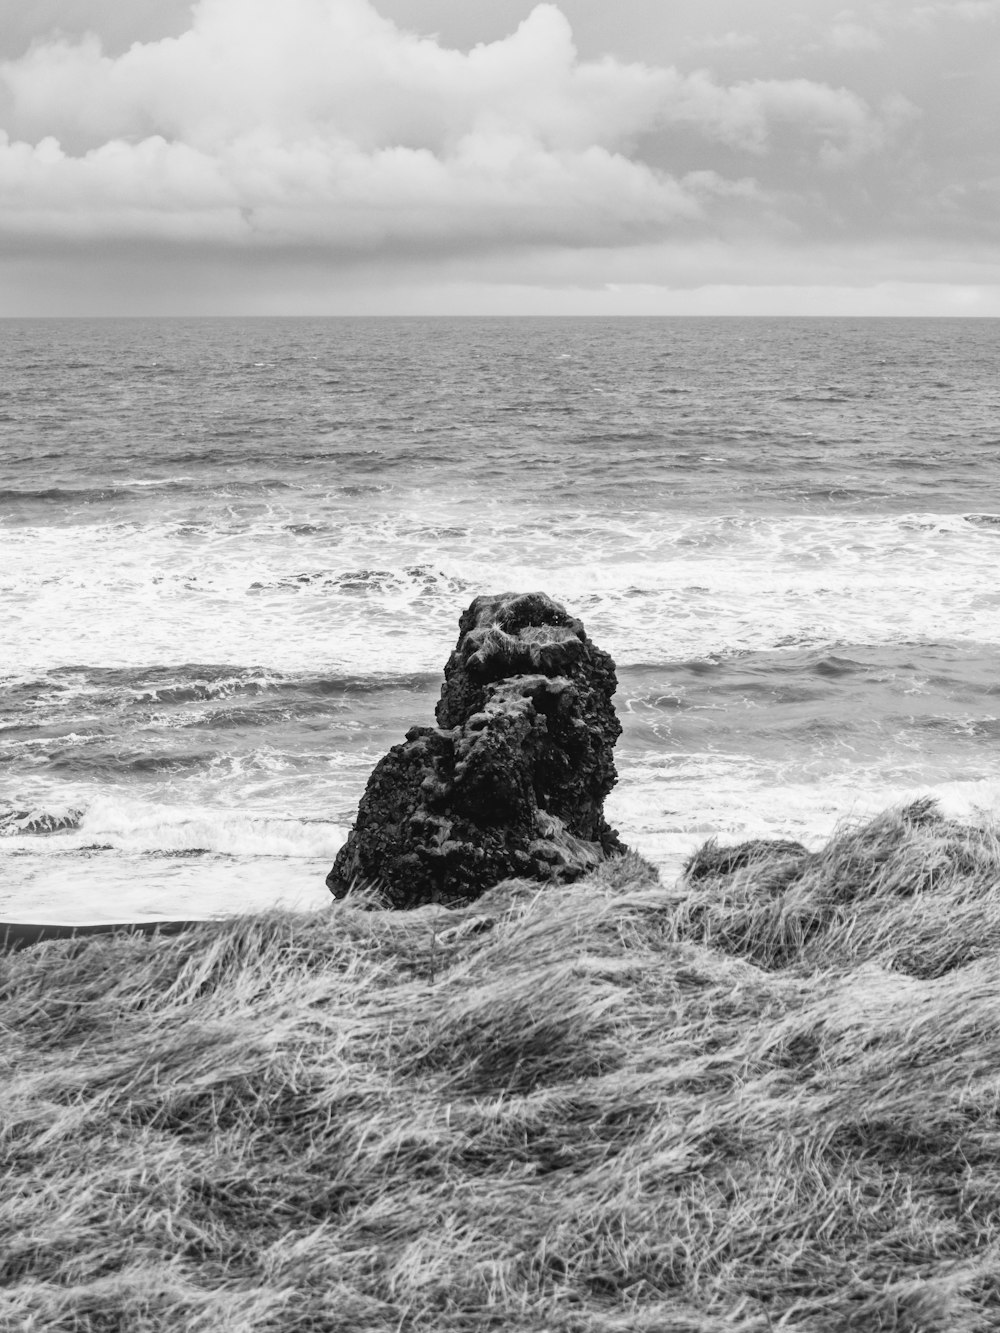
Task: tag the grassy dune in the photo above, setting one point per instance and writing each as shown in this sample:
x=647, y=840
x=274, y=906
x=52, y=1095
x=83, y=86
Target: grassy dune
x=764, y=1098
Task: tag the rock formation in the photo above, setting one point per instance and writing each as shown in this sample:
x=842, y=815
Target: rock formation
x=512, y=780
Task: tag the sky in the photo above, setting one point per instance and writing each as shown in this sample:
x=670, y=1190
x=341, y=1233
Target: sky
x=499, y=157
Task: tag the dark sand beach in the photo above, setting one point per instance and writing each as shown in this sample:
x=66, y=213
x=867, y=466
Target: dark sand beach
x=18, y=934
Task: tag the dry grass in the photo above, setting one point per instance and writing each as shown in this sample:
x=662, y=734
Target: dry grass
x=762, y=1099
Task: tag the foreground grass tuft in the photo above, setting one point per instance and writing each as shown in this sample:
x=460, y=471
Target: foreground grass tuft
x=766, y=1097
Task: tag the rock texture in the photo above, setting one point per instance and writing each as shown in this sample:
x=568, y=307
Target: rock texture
x=512, y=780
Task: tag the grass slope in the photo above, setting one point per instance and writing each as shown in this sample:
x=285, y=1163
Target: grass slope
x=764, y=1098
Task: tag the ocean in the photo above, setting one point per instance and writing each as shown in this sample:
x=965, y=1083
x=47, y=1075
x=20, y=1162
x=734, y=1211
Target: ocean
x=233, y=554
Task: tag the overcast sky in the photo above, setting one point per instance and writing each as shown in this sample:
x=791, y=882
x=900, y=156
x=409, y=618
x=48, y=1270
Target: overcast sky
x=495, y=156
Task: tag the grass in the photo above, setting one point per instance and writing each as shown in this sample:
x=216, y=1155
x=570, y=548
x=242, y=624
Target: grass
x=763, y=1098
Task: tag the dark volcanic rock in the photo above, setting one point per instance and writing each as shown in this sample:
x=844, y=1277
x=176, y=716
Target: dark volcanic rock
x=513, y=778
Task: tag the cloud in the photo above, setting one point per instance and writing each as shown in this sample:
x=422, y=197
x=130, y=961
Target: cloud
x=262, y=190
x=320, y=123
x=846, y=34
x=968, y=11
x=733, y=40
x=746, y=115
x=330, y=67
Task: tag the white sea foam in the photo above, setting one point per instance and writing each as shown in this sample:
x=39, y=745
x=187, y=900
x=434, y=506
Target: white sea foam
x=128, y=824
x=155, y=481
x=335, y=520
x=133, y=860
x=651, y=588
x=127, y=886
x=667, y=822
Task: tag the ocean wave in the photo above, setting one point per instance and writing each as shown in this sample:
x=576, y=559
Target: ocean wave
x=38, y=821
x=646, y=586
x=837, y=493
x=61, y=495
x=123, y=824
x=65, y=690
x=708, y=796
x=832, y=396
x=367, y=581
x=158, y=481
x=91, y=494
x=224, y=719
x=131, y=487
x=100, y=761
x=259, y=486
x=200, y=684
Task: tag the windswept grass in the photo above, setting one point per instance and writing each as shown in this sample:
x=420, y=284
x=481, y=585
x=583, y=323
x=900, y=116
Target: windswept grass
x=764, y=1098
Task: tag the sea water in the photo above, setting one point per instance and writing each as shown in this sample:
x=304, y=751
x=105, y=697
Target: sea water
x=233, y=554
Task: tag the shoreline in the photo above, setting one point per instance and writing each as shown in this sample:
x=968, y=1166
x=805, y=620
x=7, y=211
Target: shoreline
x=415, y=1119
x=22, y=934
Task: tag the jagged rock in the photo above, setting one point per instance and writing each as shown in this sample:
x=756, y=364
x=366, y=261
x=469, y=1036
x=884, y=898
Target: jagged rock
x=511, y=781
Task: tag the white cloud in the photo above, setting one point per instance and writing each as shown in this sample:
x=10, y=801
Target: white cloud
x=747, y=114
x=732, y=40
x=968, y=11
x=319, y=122
x=847, y=34
x=262, y=190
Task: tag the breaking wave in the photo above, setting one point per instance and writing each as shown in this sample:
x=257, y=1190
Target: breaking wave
x=650, y=586
x=121, y=824
x=37, y=822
